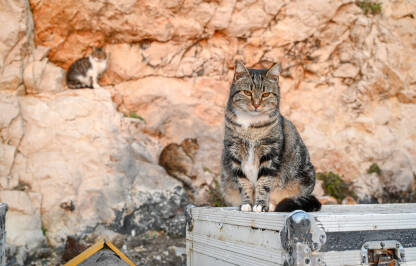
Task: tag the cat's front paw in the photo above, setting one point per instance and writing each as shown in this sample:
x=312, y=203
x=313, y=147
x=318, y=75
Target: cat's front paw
x=246, y=208
x=260, y=208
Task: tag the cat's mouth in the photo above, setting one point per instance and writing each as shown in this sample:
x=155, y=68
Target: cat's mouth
x=255, y=112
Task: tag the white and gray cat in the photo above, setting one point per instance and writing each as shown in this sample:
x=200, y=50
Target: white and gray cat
x=265, y=164
x=85, y=72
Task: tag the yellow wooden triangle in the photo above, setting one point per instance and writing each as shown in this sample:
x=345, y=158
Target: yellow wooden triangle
x=95, y=248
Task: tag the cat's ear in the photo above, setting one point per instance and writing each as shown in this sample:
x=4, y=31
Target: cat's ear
x=240, y=70
x=274, y=72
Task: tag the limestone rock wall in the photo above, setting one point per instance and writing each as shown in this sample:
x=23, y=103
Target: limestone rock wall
x=348, y=84
x=16, y=38
x=348, y=81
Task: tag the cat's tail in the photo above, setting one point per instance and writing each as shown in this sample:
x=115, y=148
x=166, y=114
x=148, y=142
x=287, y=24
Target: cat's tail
x=307, y=203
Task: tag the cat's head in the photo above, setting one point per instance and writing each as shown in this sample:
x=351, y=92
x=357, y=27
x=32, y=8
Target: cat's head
x=255, y=91
x=191, y=146
x=98, y=54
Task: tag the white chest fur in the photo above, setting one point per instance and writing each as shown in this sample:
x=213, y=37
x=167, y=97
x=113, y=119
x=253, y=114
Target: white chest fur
x=250, y=165
x=97, y=67
x=247, y=119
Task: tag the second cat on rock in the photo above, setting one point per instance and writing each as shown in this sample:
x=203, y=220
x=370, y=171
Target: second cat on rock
x=178, y=159
x=85, y=72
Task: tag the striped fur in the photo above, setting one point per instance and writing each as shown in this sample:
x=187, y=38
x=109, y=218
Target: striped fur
x=264, y=158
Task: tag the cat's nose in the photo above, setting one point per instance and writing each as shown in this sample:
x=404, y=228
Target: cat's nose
x=256, y=104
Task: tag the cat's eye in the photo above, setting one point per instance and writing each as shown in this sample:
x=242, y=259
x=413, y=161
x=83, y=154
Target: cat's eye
x=266, y=94
x=248, y=93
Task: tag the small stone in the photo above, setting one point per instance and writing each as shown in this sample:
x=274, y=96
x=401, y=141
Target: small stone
x=43, y=76
x=106, y=257
x=349, y=201
x=328, y=200
x=346, y=71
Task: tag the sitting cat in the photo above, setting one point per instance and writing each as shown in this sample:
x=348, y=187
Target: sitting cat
x=84, y=72
x=178, y=160
x=265, y=165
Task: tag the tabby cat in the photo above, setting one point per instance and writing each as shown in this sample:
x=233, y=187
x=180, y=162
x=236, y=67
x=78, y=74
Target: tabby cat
x=179, y=159
x=265, y=164
x=84, y=72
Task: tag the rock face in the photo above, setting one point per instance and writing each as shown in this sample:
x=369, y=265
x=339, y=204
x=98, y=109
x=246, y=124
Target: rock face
x=348, y=84
x=75, y=149
x=68, y=153
x=40, y=75
x=345, y=84
x=16, y=42
x=154, y=211
x=23, y=217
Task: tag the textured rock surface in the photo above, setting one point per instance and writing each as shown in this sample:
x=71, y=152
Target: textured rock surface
x=42, y=76
x=16, y=42
x=84, y=156
x=160, y=210
x=68, y=154
x=104, y=257
x=348, y=84
x=73, y=150
x=23, y=218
